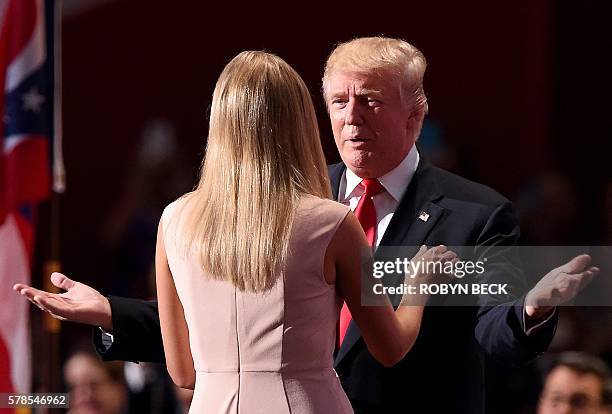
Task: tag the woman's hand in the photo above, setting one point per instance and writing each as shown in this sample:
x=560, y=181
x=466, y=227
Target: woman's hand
x=429, y=267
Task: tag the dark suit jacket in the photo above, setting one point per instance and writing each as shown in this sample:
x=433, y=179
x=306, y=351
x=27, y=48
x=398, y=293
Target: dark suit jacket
x=444, y=371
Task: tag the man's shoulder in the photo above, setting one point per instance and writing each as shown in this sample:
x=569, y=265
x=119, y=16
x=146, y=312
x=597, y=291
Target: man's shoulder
x=449, y=184
x=460, y=188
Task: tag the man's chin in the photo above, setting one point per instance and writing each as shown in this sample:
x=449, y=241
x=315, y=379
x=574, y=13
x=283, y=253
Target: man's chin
x=360, y=162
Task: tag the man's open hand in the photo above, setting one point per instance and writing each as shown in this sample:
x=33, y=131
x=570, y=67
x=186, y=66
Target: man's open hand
x=560, y=285
x=80, y=303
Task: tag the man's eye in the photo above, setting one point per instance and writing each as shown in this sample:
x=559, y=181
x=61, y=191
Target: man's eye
x=338, y=102
x=373, y=102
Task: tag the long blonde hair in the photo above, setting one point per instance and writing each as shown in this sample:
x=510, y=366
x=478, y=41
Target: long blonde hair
x=263, y=154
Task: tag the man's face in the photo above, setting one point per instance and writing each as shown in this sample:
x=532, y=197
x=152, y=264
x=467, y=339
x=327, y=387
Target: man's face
x=569, y=392
x=374, y=128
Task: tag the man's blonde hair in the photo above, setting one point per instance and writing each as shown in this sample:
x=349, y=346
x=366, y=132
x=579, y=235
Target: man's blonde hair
x=384, y=56
x=263, y=154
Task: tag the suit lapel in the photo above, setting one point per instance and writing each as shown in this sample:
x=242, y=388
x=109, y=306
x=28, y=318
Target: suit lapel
x=335, y=172
x=413, y=220
x=417, y=213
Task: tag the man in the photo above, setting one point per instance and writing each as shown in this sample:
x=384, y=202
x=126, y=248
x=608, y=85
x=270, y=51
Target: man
x=577, y=384
x=373, y=89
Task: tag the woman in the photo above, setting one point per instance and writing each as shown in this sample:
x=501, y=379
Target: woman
x=252, y=267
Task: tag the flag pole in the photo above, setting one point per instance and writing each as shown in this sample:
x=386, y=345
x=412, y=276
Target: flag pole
x=52, y=326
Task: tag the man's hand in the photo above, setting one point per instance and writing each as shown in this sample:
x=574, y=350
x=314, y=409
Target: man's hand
x=80, y=303
x=559, y=285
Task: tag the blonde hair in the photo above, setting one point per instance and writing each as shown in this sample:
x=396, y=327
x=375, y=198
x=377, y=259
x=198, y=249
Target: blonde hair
x=384, y=56
x=263, y=154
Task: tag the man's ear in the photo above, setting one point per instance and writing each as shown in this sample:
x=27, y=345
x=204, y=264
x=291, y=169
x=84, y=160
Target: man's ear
x=415, y=119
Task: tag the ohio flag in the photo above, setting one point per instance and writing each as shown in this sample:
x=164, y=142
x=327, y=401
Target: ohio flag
x=26, y=155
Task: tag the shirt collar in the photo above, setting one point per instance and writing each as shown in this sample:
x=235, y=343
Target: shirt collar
x=395, y=181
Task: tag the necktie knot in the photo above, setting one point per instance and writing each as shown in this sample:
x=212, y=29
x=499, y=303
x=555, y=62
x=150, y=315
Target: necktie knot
x=371, y=187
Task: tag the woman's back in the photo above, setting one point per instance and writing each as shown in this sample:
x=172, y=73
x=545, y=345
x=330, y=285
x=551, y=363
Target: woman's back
x=267, y=352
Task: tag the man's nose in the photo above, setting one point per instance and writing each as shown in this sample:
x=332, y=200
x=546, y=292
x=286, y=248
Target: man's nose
x=352, y=113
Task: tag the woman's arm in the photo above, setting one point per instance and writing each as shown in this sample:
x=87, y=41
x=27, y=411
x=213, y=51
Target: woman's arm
x=175, y=334
x=388, y=334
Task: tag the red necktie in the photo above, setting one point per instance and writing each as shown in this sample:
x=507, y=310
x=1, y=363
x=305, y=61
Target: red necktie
x=366, y=214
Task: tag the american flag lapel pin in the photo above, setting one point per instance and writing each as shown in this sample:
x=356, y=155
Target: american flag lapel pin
x=423, y=216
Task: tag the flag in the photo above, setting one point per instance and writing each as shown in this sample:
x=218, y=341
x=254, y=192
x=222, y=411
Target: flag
x=27, y=127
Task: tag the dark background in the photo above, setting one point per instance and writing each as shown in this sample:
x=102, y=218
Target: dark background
x=518, y=92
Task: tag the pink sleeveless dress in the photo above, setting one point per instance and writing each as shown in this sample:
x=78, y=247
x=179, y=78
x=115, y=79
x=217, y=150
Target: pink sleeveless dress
x=271, y=352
